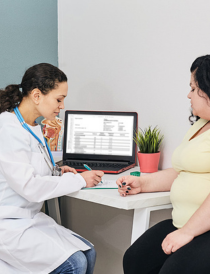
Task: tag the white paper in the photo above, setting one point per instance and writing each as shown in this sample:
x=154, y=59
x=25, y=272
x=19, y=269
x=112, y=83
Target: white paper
x=105, y=184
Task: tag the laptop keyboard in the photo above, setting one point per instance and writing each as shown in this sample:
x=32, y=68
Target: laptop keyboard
x=95, y=165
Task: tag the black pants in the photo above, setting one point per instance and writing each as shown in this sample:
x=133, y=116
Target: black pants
x=146, y=256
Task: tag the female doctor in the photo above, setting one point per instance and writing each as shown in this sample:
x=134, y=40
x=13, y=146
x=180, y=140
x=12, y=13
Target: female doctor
x=30, y=241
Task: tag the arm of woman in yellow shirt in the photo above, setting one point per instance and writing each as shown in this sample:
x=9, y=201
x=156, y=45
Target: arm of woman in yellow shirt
x=158, y=181
x=191, y=229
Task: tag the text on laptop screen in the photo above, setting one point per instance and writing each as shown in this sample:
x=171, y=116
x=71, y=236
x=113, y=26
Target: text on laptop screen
x=100, y=134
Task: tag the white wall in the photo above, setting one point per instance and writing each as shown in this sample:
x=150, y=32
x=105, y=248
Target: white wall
x=134, y=55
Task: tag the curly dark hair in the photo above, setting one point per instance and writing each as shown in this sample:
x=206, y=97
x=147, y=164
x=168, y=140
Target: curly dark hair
x=43, y=76
x=201, y=70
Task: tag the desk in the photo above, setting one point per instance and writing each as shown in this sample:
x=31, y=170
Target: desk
x=142, y=204
x=109, y=221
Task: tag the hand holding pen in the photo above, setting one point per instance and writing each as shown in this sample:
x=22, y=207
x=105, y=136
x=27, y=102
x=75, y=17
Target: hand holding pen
x=88, y=168
x=92, y=177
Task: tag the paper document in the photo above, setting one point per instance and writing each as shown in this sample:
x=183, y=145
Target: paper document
x=107, y=184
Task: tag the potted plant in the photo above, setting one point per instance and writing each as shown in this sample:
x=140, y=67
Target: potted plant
x=148, y=142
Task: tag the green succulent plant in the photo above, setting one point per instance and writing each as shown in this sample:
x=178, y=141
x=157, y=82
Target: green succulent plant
x=148, y=140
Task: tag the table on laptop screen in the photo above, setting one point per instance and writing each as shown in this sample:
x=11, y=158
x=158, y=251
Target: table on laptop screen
x=100, y=134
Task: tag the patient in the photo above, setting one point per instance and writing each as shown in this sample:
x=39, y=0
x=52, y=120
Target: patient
x=181, y=244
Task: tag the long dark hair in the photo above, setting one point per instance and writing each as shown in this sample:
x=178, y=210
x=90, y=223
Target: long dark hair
x=201, y=70
x=43, y=76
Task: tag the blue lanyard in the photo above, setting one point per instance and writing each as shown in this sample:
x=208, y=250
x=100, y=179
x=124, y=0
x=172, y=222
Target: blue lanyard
x=24, y=125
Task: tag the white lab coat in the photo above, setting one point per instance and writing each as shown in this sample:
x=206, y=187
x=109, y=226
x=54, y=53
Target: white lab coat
x=30, y=241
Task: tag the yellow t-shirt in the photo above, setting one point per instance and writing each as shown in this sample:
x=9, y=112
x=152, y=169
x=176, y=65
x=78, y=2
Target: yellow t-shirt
x=192, y=186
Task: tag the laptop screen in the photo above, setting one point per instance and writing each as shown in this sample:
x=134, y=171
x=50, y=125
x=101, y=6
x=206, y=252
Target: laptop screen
x=99, y=135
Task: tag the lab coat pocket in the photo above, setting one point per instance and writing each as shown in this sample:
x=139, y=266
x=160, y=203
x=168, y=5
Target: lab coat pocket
x=39, y=164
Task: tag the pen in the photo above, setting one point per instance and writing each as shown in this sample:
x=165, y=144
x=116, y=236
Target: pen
x=88, y=168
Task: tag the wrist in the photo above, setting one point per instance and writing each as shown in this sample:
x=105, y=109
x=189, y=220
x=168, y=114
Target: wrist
x=142, y=184
x=82, y=179
x=188, y=231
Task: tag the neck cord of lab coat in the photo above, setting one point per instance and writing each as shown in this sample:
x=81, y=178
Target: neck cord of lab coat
x=24, y=125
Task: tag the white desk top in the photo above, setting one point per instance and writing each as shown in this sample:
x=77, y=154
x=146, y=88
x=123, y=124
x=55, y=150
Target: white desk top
x=111, y=197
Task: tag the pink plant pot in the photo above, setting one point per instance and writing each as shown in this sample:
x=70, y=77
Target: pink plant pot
x=148, y=162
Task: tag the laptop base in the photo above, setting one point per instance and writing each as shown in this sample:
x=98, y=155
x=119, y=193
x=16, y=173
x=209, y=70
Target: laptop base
x=112, y=169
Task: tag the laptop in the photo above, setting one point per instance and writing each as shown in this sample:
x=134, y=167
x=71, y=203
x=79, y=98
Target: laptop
x=102, y=140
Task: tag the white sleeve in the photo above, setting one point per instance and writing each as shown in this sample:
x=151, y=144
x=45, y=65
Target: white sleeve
x=21, y=175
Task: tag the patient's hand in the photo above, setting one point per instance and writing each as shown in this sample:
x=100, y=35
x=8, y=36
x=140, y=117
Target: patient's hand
x=175, y=240
x=128, y=185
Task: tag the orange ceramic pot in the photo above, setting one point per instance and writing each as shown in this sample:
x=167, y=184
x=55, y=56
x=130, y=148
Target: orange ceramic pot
x=148, y=162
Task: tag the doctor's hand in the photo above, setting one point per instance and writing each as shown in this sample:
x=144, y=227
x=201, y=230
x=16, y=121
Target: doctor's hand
x=92, y=177
x=175, y=240
x=65, y=169
x=128, y=185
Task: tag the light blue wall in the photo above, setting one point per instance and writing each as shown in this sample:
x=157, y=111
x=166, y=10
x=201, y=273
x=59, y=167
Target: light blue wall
x=28, y=36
